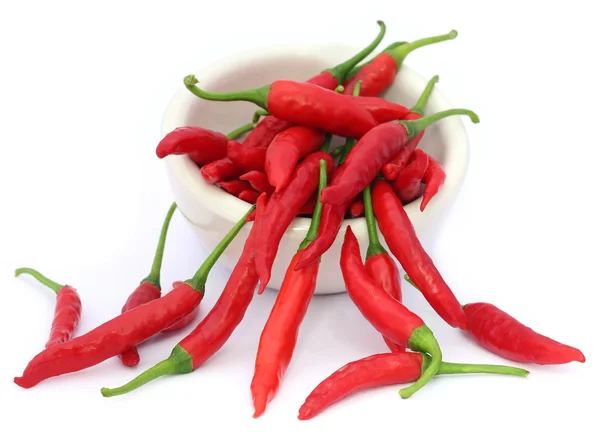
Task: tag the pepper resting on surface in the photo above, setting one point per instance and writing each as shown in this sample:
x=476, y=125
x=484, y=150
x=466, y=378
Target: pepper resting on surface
x=216, y=327
x=221, y=170
x=384, y=370
x=258, y=181
x=278, y=338
x=234, y=187
x=126, y=330
x=408, y=184
x=246, y=158
x=389, y=317
x=404, y=244
x=67, y=311
x=433, y=179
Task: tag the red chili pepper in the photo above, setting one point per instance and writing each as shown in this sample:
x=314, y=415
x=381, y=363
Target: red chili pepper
x=216, y=327
x=381, y=72
x=357, y=208
x=309, y=206
x=392, y=169
x=354, y=71
x=384, y=370
x=404, y=244
x=234, y=187
x=126, y=330
x=287, y=148
x=389, y=317
x=67, y=311
x=258, y=181
x=408, y=184
x=282, y=208
x=379, y=264
x=278, y=338
x=186, y=320
x=220, y=170
x=246, y=158
x=381, y=109
x=434, y=179
x=249, y=196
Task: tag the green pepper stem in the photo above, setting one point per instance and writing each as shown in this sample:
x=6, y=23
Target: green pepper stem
x=179, y=362
x=199, y=279
x=399, y=53
x=422, y=339
x=419, y=107
x=40, y=278
x=350, y=141
x=241, y=130
x=337, y=151
x=375, y=246
x=257, y=96
x=259, y=113
x=415, y=126
x=154, y=276
x=354, y=71
x=409, y=280
x=327, y=143
x=316, y=218
x=469, y=368
x=341, y=71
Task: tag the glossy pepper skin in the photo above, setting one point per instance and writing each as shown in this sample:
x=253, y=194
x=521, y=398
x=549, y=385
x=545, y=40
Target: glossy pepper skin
x=500, y=333
x=381, y=109
x=404, y=244
x=383, y=370
x=220, y=171
x=201, y=145
x=408, y=184
x=67, y=311
x=186, y=320
x=434, y=178
x=246, y=158
x=258, y=181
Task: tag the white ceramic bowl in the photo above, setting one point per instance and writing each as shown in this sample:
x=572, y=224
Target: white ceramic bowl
x=212, y=212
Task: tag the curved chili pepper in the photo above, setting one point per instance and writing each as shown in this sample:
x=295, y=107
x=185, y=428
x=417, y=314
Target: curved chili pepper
x=408, y=184
x=381, y=72
x=357, y=208
x=433, y=179
x=389, y=317
x=126, y=330
x=384, y=370
x=234, y=187
x=404, y=244
x=392, y=169
x=278, y=338
x=249, y=196
x=379, y=264
x=246, y=158
x=186, y=320
x=220, y=170
x=382, y=109
x=258, y=181
x=67, y=311
x=264, y=132
x=287, y=148
x=357, y=68
x=282, y=208
x=216, y=327
x=376, y=148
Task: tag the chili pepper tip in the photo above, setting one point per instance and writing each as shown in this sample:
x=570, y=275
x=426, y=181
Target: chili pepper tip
x=190, y=80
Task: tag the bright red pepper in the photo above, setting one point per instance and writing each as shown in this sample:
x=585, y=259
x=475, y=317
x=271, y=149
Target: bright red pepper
x=408, y=184
x=216, y=327
x=381, y=109
x=249, y=196
x=278, y=338
x=354, y=71
x=258, y=181
x=186, y=320
x=389, y=317
x=246, y=158
x=373, y=150
x=234, y=187
x=309, y=206
x=434, y=179
x=220, y=170
x=404, y=244
x=384, y=370
x=380, y=73
x=67, y=311
x=286, y=150
x=126, y=330
x=357, y=208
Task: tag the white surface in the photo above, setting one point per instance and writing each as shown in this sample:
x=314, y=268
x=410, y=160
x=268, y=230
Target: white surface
x=212, y=212
x=82, y=93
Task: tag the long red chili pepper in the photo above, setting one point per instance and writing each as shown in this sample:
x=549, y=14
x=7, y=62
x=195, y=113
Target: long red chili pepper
x=354, y=71
x=381, y=72
x=389, y=317
x=218, y=325
x=404, y=244
x=392, y=169
x=149, y=288
x=67, y=311
x=384, y=370
x=186, y=320
x=278, y=338
x=246, y=158
x=270, y=126
x=379, y=264
x=376, y=148
x=408, y=184
x=433, y=179
x=381, y=109
x=126, y=330
x=259, y=181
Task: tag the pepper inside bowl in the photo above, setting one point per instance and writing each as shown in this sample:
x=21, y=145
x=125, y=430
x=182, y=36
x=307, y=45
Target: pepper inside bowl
x=212, y=212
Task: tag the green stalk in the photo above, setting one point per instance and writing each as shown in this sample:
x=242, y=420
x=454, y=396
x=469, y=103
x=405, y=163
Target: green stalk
x=154, y=276
x=423, y=340
x=316, y=218
x=469, y=368
x=415, y=126
x=326, y=143
x=357, y=68
x=40, y=278
x=399, y=53
x=257, y=96
x=350, y=141
x=375, y=246
x=234, y=134
x=259, y=113
x=419, y=107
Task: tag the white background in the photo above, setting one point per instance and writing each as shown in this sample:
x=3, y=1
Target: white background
x=83, y=86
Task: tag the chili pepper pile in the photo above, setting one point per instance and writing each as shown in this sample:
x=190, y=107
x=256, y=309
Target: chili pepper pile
x=285, y=167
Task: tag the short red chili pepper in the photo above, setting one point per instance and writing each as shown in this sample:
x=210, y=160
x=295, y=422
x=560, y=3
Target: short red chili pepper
x=246, y=158
x=220, y=171
x=249, y=196
x=389, y=317
x=67, y=311
x=392, y=169
x=357, y=208
x=278, y=338
x=373, y=150
x=234, y=187
x=408, y=184
x=287, y=148
x=381, y=72
x=258, y=181
x=216, y=327
x=186, y=320
x=282, y=208
x=149, y=288
x=433, y=179
x=379, y=264
x=404, y=244
x=384, y=370
x=126, y=330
